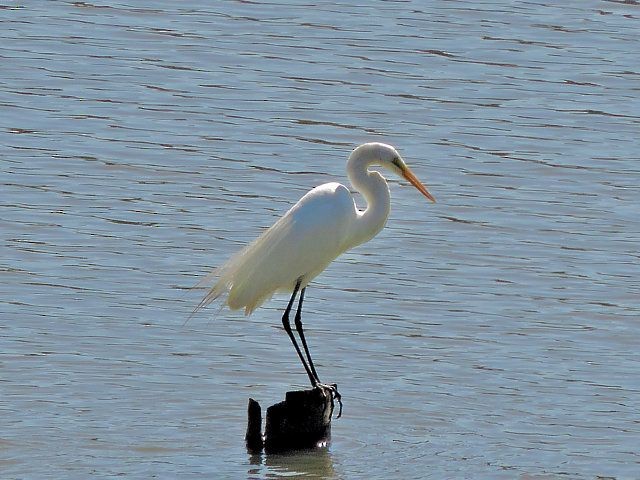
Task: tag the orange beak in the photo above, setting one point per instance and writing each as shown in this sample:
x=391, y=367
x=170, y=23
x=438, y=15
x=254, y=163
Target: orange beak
x=413, y=180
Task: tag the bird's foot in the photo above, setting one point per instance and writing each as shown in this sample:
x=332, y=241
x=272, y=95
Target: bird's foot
x=335, y=395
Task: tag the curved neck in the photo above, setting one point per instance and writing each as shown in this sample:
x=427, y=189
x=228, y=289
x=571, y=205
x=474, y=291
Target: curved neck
x=375, y=190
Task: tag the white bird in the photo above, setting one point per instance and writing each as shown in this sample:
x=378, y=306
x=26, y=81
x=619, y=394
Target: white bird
x=325, y=223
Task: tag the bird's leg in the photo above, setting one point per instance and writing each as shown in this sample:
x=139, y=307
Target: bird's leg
x=287, y=328
x=298, y=322
x=333, y=388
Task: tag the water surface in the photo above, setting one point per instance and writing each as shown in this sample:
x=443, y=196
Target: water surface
x=492, y=335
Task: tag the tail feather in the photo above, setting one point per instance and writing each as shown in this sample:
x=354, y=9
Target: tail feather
x=243, y=277
x=213, y=293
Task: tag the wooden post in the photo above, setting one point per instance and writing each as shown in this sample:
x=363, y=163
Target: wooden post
x=301, y=421
x=253, y=438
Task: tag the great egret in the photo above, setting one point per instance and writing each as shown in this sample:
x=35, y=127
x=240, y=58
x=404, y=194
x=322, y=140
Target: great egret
x=324, y=223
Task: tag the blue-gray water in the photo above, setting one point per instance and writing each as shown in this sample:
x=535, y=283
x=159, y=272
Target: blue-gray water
x=491, y=335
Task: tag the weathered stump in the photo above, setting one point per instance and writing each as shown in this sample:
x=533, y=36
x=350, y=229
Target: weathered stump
x=253, y=438
x=301, y=421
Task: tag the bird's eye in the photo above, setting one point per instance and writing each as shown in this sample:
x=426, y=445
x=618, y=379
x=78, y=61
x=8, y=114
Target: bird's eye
x=396, y=162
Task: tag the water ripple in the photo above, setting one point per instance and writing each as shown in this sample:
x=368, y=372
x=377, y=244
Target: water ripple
x=142, y=144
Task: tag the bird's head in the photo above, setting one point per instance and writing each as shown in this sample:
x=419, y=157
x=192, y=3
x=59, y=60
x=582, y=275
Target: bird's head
x=389, y=158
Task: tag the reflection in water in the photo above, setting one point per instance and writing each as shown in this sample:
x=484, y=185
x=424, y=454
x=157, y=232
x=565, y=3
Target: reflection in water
x=316, y=463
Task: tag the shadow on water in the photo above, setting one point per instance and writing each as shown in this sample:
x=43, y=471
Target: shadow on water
x=316, y=463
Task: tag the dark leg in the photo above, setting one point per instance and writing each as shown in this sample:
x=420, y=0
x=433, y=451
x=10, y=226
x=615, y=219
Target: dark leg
x=287, y=328
x=298, y=322
x=333, y=388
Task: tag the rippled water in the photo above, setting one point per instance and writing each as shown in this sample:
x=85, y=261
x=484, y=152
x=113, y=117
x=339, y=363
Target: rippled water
x=492, y=335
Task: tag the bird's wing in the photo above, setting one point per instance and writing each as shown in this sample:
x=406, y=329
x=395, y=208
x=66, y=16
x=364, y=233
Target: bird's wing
x=298, y=246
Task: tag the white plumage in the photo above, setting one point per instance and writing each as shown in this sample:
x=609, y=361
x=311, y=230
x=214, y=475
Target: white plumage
x=323, y=224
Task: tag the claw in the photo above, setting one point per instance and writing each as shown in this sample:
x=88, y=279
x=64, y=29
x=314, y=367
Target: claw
x=335, y=395
x=338, y=397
